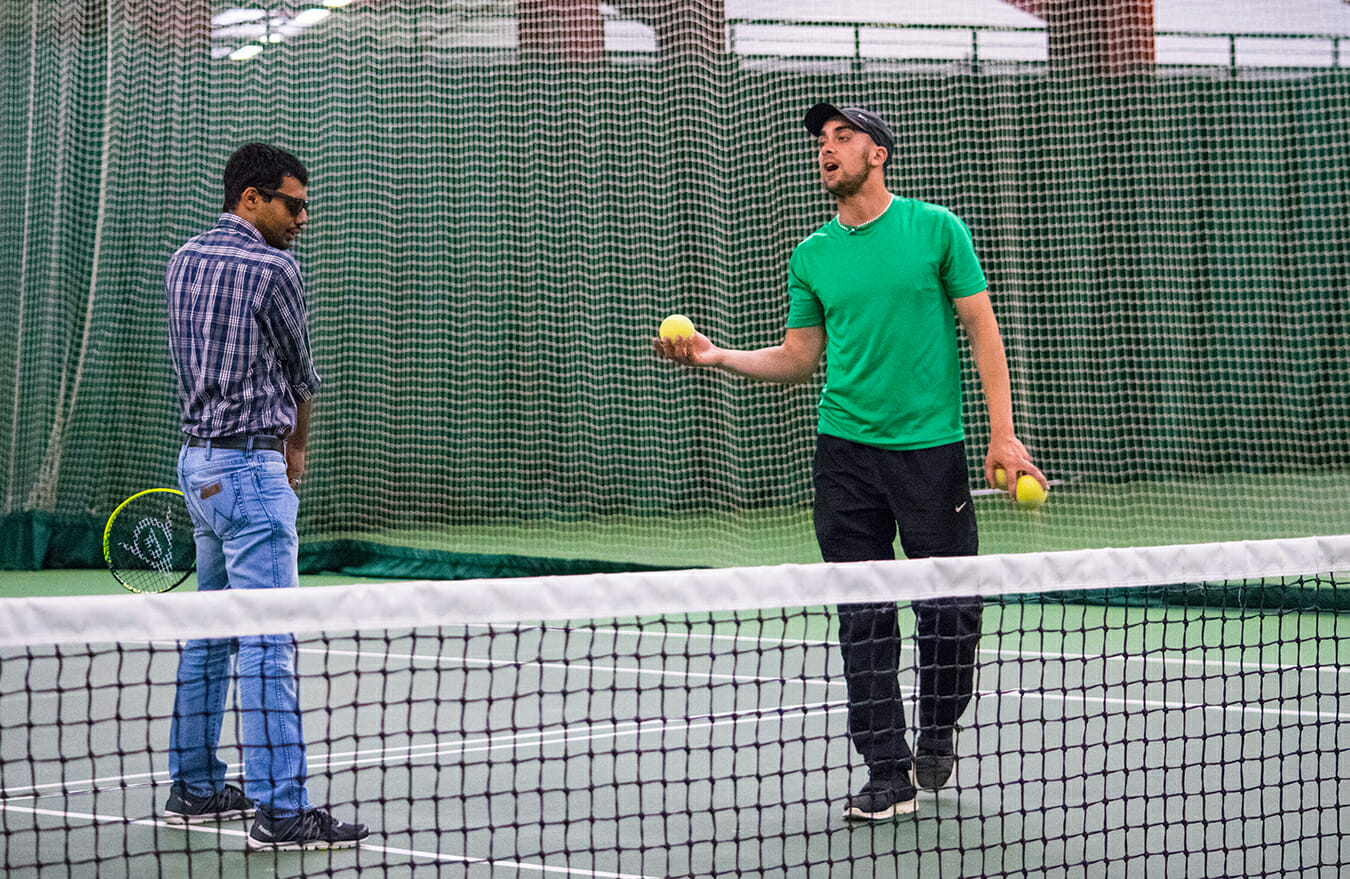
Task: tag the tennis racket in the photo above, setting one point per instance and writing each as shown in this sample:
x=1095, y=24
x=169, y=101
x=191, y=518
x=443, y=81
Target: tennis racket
x=148, y=542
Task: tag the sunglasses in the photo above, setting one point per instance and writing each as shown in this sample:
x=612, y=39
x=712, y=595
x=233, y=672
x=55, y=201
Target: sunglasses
x=295, y=205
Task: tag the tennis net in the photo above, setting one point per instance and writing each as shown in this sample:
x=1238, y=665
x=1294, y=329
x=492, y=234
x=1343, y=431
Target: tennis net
x=1148, y=711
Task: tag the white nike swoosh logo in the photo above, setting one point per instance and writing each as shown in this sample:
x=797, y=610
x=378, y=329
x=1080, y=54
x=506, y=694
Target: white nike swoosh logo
x=962, y=507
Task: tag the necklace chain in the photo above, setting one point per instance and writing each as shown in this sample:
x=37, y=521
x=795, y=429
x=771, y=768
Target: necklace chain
x=870, y=221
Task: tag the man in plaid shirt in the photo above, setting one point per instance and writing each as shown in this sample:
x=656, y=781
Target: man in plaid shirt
x=239, y=340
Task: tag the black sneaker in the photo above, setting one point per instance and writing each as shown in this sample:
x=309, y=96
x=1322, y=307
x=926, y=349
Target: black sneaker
x=934, y=760
x=882, y=798
x=311, y=829
x=225, y=804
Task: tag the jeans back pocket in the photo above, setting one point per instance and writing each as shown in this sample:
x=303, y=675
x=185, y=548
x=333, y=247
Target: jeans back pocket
x=214, y=496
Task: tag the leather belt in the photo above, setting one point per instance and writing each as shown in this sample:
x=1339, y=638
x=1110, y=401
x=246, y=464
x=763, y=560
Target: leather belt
x=267, y=443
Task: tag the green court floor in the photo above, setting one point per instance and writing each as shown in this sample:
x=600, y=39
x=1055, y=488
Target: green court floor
x=1076, y=516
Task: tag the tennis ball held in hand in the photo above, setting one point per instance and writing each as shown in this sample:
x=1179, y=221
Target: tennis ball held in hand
x=1000, y=479
x=1029, y=493
x=675, y=326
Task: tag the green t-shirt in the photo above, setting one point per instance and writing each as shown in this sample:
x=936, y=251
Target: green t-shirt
x=884, y=291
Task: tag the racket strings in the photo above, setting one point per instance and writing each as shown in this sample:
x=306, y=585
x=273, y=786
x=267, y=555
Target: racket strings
x=149, y=543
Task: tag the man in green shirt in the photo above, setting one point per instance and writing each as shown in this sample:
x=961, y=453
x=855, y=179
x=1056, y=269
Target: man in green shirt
x=874, y=290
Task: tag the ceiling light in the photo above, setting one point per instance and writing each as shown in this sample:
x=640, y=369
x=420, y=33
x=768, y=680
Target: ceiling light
x=312, y=16
x=236, y=16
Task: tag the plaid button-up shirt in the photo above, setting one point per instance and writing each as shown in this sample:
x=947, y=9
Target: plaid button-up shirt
x=238, y=333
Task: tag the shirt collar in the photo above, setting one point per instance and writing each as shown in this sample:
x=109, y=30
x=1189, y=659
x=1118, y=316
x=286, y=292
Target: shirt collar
x=236, y=223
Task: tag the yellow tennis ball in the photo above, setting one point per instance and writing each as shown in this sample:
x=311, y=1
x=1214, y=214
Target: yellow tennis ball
x=1029, y=492
x=677, y=326
x=1000, y=478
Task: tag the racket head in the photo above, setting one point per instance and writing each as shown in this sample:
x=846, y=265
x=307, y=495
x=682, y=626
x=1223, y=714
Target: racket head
x=148, y=542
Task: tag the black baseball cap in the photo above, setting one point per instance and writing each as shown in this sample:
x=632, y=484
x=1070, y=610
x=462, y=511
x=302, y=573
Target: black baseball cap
x=861, y=119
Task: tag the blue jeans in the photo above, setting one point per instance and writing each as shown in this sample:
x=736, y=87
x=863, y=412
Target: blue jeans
x=243, y=513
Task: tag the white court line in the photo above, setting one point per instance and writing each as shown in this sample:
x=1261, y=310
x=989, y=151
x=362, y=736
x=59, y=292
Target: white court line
x=577, y=733
x=540, y=737
x=1072, y=693
x=1244, y=708
x=514, y=742
x=219, y=831
x=1168, y=659
x=579, y=667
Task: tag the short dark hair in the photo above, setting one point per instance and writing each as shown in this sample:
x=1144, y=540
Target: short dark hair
x=261, y=166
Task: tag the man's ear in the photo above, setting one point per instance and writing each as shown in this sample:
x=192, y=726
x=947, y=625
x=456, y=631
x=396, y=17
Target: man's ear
x=249, y=200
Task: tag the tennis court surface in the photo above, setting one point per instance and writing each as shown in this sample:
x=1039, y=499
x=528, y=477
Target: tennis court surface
x=692, y=723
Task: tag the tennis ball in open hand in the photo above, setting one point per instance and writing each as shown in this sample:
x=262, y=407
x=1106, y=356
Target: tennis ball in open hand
x=677, y=325
x=1029, y=492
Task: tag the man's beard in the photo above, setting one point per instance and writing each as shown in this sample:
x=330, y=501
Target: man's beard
x=847, y=186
